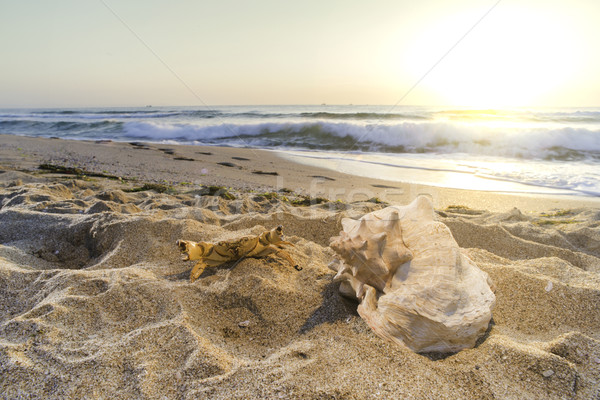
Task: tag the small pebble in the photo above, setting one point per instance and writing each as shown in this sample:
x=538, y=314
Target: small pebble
x=244, y=324
x=549, y=286
x=548, y=373
x=597, y=360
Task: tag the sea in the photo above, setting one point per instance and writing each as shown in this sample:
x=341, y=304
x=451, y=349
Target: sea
x=534, y=150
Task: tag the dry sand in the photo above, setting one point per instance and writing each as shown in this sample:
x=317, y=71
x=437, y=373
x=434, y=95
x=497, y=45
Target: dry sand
x=95, y=301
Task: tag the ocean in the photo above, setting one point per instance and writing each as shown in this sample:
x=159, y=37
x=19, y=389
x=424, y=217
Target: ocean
x=551, y=151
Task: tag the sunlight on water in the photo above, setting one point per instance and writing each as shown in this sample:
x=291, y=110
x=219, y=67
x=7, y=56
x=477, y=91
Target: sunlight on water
x=494, y=176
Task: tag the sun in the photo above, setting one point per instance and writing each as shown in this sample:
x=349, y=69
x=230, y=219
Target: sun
x=513, y=57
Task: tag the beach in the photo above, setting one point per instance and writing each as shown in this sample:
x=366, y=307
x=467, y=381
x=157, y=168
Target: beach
x=96, y=301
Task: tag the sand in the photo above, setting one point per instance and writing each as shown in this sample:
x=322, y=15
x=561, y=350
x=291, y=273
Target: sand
x=95, y=301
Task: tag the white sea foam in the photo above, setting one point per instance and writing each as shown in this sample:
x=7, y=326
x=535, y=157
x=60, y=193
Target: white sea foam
x=410, y=137
x=463, y=171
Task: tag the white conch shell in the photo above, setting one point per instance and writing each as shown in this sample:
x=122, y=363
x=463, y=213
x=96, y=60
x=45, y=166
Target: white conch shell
x=414, y=285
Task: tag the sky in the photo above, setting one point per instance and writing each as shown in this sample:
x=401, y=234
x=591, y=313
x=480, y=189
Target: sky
x=475, y=53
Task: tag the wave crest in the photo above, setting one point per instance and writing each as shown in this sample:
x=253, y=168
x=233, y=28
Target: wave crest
x=405, y=137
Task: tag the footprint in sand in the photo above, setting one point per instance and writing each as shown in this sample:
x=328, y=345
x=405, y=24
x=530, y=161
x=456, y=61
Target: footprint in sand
x=184, y=159
x=274, y=173
x=228, y=164
x=385, y=186
x=322, y=177
x=139, y=146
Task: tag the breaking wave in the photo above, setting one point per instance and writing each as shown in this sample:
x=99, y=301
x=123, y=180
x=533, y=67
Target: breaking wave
x=550, y=143
x=405, y=137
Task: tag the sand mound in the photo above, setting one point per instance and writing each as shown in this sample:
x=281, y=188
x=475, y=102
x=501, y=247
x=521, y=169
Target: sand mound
x=95, y=301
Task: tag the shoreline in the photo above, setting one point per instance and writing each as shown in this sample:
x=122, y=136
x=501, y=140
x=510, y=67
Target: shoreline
x=256, y=169
x=397, y=169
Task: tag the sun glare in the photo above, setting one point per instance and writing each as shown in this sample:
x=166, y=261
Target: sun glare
x=513, y=57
